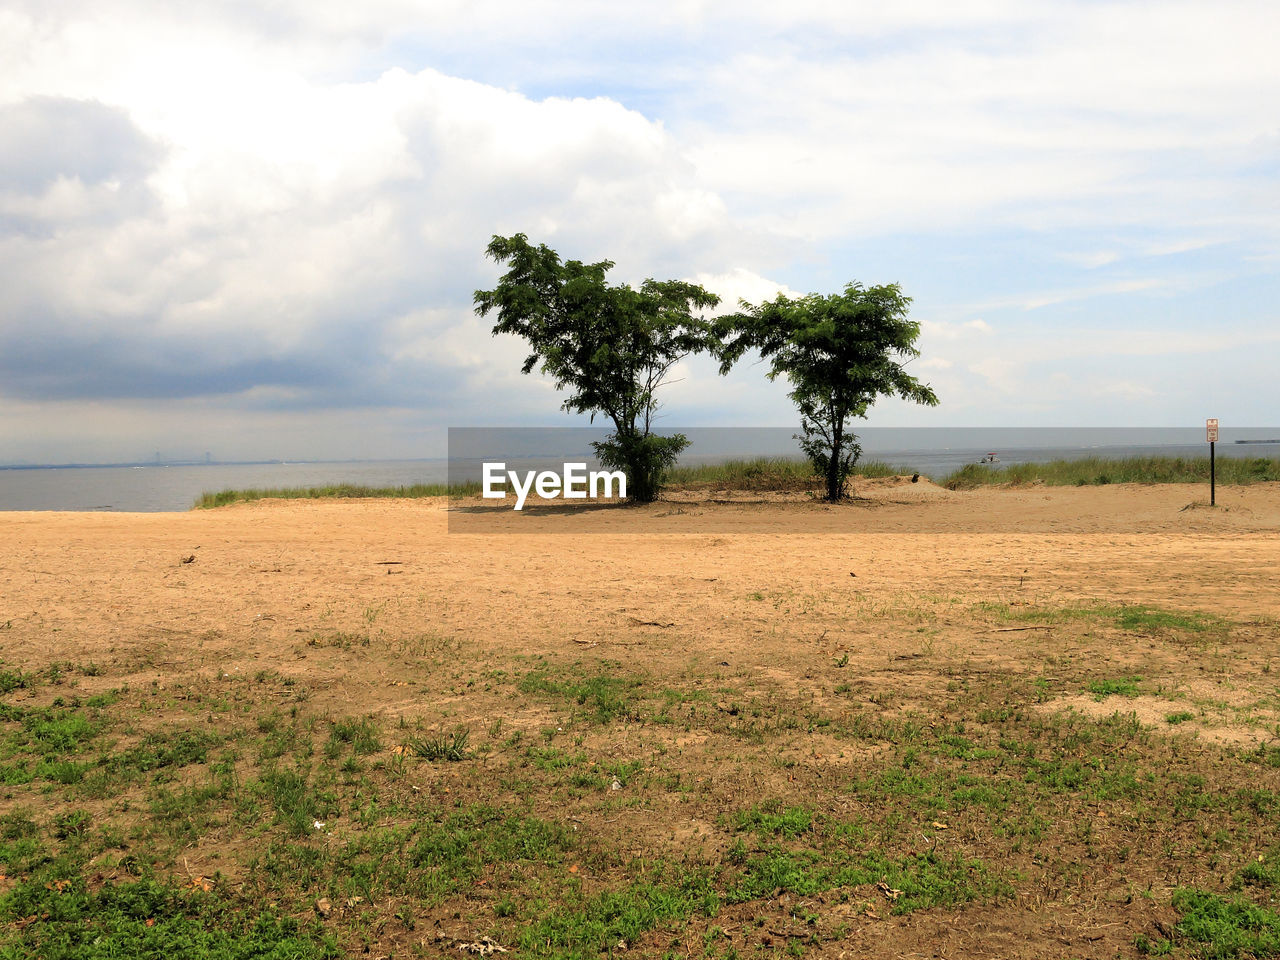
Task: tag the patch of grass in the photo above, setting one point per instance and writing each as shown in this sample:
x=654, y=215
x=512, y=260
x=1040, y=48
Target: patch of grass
x=588, y=927
x=1136, y=617
x=606, y=697
x=465, y=845
x=1154, y=620
x=450, y=748
x=58, y=731
x=769, y=473
x=298, y=804
x=921, y=881
x=11, y=680
x=336, y=491
x=1179, y=716
x=1114, y=687
x=1099, y=470
x=940, y=797
x=770, y=819
x=553, y=758
x=1227, y=927
x=361, y=733
x=157, y=750
x=146, y=918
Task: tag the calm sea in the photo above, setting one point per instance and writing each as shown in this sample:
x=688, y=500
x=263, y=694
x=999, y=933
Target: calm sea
x=931, y=451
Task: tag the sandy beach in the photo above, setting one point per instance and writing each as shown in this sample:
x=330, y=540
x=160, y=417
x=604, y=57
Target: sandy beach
x=896, y=606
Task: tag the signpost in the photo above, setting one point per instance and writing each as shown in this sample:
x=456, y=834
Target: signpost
x=1211, y=434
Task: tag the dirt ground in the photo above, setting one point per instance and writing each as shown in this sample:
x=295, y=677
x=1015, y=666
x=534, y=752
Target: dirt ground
x=380, y=610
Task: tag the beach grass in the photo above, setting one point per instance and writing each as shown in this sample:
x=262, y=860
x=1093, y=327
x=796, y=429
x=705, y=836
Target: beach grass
x=337, y=491
x=1100, y=470
x=760, y=473
x=767, y=473
x=784, y=473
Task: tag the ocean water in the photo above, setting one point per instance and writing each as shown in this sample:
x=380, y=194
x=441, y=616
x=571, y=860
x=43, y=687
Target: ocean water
x=154, y=488
x=931, y=451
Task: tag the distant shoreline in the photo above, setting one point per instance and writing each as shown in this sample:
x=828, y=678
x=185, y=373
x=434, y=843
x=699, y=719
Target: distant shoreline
x=792, y=475
x=201, y=463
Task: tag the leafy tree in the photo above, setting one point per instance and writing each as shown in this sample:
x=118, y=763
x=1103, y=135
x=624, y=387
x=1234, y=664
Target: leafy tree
x=610, y=346
x=840, y=352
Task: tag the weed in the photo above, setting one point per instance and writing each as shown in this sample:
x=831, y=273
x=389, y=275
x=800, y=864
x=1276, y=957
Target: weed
x=360, y=733
x=146, y=918
x=1227, y=927
x=606, y=697
x=1120, y=686
x=11, y=680
x=444, y=747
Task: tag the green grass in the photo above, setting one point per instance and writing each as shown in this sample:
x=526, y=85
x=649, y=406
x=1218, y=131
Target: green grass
x=618, y=801
x=1227, y=927
x=761, y=473
x=145, y=918
x=1140, y=618
x=444, y=747
x=337, y=491
x=1117, y=686
x=603, y=696
x=768, y=473
x=1100, y=470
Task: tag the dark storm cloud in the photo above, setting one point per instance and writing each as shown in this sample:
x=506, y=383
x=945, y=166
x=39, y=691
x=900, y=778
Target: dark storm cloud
x=45, y=138
x=43, y=362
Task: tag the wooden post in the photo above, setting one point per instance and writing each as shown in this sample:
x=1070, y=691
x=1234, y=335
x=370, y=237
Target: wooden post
x=1211, y=434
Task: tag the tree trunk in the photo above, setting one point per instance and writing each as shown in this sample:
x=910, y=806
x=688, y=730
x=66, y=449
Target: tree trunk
x=833, y=465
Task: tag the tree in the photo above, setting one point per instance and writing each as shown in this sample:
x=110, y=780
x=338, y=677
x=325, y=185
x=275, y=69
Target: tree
x=841, y=353
x=611, y=347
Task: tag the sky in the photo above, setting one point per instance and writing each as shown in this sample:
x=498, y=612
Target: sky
x=255, y=230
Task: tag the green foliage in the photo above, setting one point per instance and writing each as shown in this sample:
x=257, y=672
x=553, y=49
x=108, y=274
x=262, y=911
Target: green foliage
x=611, y=347
x=57, y=731
x=445, y=747
x=592, y=926
x=1154, y=620
x=1227, y=927
x=297, y=802
x=1263, y=872
x=1119, y=686
x=460, y=847
x=158, y=750
x=607, y=697
x=840, y=353
x=1088, y=471
x=145, y=919
x=11, y=680
x=644, y=459
x=772, y=820
x=923, y=880
x=769, y=473
x=360, y=732
x=336, y=491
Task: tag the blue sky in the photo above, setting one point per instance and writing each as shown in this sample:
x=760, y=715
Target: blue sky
x=257, y=231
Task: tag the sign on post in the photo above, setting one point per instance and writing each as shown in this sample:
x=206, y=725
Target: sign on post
x=1211, y=434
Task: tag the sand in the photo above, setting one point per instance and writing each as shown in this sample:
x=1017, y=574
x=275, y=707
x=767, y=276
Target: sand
x=245, y=588
x=884, y=605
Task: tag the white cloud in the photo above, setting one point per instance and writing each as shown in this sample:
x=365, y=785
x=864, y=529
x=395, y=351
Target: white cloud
x=934, y=363
x=947, y=330
x=277, y=206
x=740, y=284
